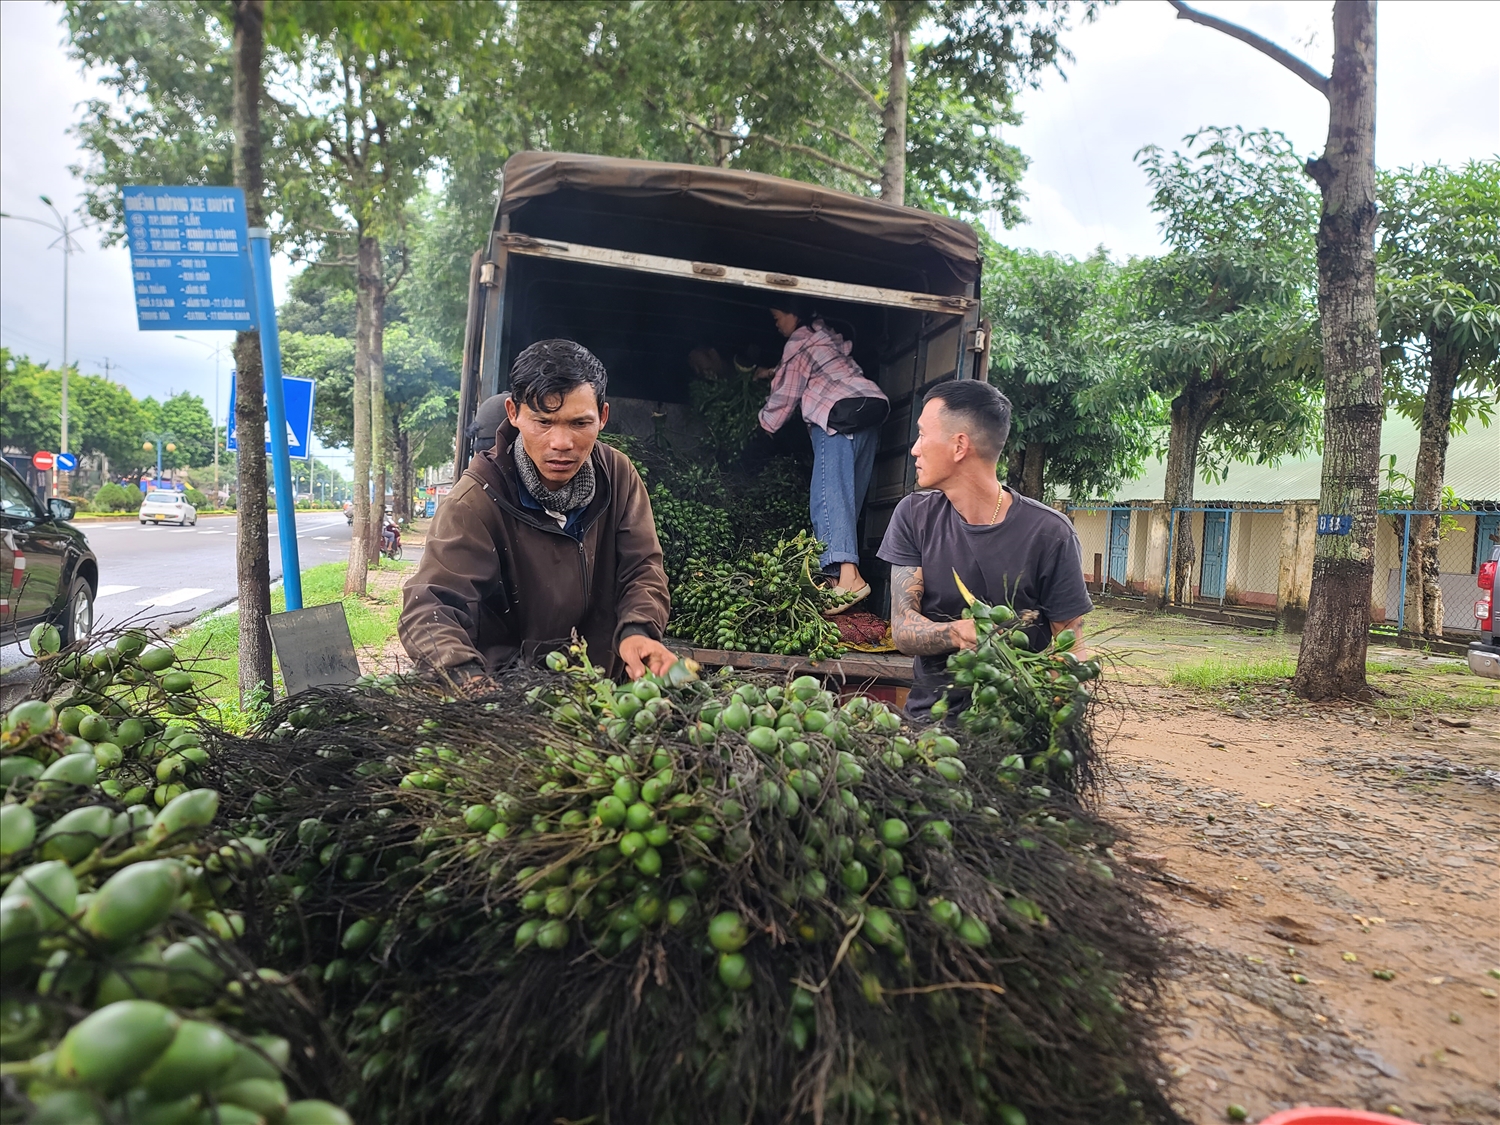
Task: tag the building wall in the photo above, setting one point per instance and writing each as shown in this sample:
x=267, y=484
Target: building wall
x=1139, y=575
x=1092, y=526
x=1254, y=558
x=1456, y=549
x=1269, y=558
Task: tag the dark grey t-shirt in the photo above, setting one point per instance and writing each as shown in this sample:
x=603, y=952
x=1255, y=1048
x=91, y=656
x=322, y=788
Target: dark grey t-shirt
x=1029, y=561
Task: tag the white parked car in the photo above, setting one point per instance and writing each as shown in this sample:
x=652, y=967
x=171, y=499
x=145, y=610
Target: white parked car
x=168, y=507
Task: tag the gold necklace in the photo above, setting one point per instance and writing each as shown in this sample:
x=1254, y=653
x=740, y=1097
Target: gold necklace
x=998, y=501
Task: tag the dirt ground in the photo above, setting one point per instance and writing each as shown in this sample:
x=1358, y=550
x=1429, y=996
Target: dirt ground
x=1332, y=874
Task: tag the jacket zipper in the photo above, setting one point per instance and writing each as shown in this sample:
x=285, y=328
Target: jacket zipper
x=552, y=528
x=583, y=566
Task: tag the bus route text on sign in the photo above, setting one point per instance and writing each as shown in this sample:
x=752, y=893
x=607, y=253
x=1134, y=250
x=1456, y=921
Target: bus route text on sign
x=189, y=258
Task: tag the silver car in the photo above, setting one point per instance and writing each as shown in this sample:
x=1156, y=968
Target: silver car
x=168, y=507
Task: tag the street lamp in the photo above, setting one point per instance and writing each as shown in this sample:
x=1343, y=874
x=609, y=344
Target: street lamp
x=158, y=440
x=218, y=350
x=70, y=246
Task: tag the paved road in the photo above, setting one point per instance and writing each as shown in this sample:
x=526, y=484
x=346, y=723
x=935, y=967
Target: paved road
x=171, y=575
x=174, y=574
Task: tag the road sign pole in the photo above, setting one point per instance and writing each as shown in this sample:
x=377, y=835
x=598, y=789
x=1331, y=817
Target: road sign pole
x=281, y=462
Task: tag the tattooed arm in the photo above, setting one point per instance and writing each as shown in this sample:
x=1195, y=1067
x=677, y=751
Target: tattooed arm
x=914, y=634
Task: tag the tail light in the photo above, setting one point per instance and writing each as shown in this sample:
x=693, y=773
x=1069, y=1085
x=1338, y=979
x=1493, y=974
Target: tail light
x=1484, y=608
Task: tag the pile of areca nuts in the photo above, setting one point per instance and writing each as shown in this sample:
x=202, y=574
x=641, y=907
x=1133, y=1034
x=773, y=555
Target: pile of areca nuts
x=124, y=996
x=688, y=898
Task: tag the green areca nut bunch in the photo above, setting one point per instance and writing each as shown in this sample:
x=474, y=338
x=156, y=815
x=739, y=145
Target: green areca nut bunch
x=118, y=910
x=1035, y=701
x=663, y=899
x=688, y=530
x=768, y=602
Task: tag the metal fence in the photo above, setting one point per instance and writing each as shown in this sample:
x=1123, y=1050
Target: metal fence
x=1259, y=557
x=1234, y=557
x=1459, y=557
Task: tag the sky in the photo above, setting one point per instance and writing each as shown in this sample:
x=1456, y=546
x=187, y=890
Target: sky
x=1139, y=77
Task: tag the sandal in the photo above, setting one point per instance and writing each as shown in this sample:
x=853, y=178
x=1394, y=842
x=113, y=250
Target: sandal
x=854, y=598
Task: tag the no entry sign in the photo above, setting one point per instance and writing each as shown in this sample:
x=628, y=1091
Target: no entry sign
x=43, y=460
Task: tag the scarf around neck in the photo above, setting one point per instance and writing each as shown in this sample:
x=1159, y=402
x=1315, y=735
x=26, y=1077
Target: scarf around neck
x=570, y=497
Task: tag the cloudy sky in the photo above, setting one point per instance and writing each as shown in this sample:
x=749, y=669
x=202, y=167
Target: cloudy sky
x=1140, y=77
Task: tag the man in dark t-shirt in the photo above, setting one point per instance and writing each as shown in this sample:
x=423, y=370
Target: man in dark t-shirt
x=1006, y=548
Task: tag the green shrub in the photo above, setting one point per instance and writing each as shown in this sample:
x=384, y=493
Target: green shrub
x=117, y=498
x=80, y=503
x=196, y=498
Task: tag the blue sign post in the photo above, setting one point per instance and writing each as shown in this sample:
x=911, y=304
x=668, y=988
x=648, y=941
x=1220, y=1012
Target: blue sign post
x=195, y=265
x=66, y=462
x=189, y=258
x=299, y=413
x=281, y=465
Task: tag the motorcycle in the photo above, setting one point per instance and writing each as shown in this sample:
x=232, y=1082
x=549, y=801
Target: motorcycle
x=390, y=541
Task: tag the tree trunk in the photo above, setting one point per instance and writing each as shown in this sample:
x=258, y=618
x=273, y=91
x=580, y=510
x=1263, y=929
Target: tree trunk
x=1192, y=410
x=1424, y=594
x=378, y=436
x=1331, y=662
x=1033, y=465
x=359, y=559
x=404, y=484
x=1015, y=465
x=252, y=551
x=893, y=116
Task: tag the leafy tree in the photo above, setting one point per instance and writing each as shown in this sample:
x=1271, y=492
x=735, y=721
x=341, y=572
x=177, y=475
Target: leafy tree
x=373, y=76
x=1222, y=325
x=188, y=107
x=1049, y=353
x=1439, y=294
x=421, y=377
x=188, y=421
x=104, y=417
x=821, y=90
x=937, y=112
x=28, y=419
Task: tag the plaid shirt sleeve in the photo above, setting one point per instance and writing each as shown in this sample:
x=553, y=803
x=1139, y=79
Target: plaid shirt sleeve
x=787, y=389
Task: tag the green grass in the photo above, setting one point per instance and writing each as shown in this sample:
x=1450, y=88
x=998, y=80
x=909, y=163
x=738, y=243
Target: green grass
x=1401, y=689
x=211, y=644
x=1215, y=672
x=1410, y=690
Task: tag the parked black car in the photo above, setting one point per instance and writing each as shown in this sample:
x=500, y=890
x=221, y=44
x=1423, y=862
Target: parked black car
x=47, y=571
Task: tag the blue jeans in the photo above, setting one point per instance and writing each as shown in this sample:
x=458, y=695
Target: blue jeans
x=842, y=467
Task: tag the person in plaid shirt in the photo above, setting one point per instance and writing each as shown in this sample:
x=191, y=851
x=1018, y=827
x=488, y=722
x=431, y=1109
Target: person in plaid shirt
x=843, y=411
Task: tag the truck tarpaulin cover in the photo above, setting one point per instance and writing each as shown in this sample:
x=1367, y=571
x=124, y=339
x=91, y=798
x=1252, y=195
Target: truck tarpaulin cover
x=943, y=250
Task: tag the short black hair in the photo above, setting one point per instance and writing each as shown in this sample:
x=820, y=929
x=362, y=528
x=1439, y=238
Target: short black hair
x=796, y=304
x=548, y=371
x=982, y=410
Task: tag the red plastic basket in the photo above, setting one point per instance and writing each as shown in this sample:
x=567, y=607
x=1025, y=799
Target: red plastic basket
x=1312, y=1115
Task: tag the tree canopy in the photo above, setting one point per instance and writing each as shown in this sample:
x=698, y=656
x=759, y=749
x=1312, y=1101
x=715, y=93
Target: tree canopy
x=1439, y=278
x=1051, y=318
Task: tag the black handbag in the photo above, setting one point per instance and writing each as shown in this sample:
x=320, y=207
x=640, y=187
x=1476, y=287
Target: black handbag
x=850, y=415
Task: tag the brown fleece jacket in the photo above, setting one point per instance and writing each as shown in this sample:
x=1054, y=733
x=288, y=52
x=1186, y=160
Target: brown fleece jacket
x=500, y=583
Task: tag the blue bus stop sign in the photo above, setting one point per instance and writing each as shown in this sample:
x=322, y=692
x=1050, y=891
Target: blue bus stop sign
x=189, y=258
x=299, y=414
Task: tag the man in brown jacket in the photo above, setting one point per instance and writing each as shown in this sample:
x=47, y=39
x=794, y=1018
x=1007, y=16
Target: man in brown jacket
x=547, y=534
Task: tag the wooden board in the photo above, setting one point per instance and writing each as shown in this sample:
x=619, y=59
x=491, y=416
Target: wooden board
x=852, y=668
x=734, y=275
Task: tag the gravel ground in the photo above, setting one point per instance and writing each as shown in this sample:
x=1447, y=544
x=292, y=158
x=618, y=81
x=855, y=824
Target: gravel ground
x=1333, y=875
